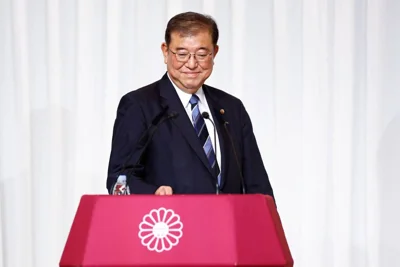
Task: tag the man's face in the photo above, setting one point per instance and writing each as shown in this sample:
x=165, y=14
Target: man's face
x=187, y=71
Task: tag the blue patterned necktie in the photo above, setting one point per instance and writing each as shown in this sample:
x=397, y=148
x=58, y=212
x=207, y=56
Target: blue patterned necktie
x=202, y=133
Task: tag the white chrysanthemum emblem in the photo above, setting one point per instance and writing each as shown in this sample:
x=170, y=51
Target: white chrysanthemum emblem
x=160, y=230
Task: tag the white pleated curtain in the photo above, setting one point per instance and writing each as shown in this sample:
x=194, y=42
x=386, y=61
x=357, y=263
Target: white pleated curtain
x=318, y=77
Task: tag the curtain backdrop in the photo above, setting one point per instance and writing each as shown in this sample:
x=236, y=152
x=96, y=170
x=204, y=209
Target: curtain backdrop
x=319, y=78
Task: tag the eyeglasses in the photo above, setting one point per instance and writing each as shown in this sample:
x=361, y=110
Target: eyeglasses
x=184, y=56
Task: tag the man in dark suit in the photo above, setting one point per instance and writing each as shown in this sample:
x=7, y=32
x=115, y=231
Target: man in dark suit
x=164, y=138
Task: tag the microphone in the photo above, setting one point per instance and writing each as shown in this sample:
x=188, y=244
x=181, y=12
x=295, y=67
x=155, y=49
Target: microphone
x=121, y=186
x=235, y=154
x=146, y=138
x=205, y=115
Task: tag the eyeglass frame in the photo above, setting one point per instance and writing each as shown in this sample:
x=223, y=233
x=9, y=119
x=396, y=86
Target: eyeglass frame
x=190, y=55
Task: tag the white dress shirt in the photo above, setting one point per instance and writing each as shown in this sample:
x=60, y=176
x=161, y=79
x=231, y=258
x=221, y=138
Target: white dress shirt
x=203, y=106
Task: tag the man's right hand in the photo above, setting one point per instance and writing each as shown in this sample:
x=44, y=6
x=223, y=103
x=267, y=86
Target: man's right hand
x=163, y=191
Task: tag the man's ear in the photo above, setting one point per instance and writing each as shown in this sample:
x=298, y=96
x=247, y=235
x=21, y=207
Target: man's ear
x=164, y=50
x=216, y=49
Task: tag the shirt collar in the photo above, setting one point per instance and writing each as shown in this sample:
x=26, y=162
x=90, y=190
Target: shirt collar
x=185, y=97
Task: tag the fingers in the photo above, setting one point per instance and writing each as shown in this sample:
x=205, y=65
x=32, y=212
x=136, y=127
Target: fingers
x=164, y=191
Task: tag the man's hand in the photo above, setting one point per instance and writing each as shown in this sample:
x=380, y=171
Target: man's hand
x=163, y=191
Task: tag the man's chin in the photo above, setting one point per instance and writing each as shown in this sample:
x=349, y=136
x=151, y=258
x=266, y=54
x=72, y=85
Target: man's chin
x=191, y=90
x=193, y=87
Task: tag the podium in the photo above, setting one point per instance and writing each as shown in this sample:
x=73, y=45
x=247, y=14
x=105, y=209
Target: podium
x=177, y=230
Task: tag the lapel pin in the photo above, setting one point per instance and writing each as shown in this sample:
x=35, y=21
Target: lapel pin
x=222, y=111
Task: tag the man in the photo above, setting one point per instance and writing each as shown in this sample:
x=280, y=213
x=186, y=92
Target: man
x=164, y=139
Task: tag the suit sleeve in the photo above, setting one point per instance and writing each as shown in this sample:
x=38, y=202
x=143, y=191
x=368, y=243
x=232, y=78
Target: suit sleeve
x=128, y=128
x=254, y=173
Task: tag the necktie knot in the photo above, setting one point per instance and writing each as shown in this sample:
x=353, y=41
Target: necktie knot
x=194, y=100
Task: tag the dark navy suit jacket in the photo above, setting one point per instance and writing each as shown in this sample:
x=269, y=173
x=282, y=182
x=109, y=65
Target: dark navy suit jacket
x=175, y=156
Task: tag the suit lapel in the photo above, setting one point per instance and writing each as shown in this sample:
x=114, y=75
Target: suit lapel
x=170, y=99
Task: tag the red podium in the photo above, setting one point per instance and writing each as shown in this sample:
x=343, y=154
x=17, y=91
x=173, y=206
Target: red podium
x=178, y=230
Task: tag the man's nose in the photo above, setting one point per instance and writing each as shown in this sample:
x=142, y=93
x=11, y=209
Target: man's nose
x=192, y=62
